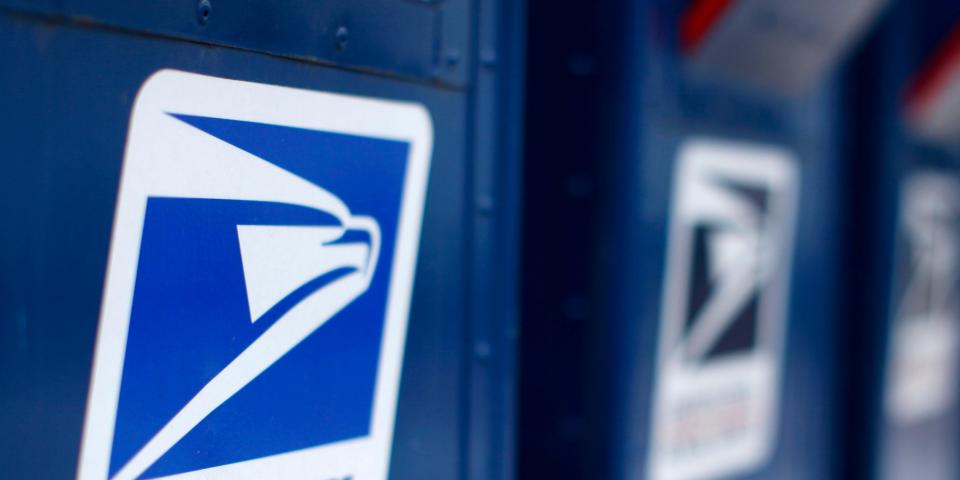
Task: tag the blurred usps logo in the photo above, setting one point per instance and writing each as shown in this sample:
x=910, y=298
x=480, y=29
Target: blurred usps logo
x=922, y=359
x=724, y=309
x=258, y=284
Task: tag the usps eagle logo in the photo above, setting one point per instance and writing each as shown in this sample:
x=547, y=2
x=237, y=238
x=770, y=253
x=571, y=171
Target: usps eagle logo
x=724, y=314
x=258, y=284
x=924, y=345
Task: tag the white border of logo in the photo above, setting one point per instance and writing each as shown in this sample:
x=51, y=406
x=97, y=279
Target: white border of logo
x=192, y=94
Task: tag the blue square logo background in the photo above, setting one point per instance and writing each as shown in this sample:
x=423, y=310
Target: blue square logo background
x=190, y=318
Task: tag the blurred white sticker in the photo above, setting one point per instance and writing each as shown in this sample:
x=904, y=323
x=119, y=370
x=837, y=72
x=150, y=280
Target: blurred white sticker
x=922, y=359
x=724, y=310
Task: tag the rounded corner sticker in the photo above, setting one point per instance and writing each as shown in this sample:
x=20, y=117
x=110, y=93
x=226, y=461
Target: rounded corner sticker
x=723, y=320
x=258, y=284
x=923, y=352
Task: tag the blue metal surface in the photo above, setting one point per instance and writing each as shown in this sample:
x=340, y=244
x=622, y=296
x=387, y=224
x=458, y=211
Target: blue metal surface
x=74, y=70
x=426, y=40
x=598, y=188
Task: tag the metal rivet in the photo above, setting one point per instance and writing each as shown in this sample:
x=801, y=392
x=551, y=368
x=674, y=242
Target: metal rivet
x=576, y=308
x=579, y=186
x=341, y=37
x=485, y=204
x=482, y=350
x=581, y=64
x=488, y=58
x=204, y=9
x=452, y=57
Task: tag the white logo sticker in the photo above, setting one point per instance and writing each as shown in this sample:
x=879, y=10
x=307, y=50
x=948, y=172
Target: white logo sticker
x=724, y=310
x=258, y=284
x=922, y=360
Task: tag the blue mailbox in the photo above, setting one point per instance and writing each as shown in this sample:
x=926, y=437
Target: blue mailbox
x=902, y=413
x=258, y=239
x=693, y=188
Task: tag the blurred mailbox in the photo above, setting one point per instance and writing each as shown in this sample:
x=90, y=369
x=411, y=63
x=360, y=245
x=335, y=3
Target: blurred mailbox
x=711, y=288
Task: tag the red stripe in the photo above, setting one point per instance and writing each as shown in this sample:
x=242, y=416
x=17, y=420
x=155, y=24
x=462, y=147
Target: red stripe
x=925, y=86
x=697, y=21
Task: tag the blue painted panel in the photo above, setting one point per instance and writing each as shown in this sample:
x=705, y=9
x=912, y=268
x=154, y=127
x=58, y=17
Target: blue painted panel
x=425, y=40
